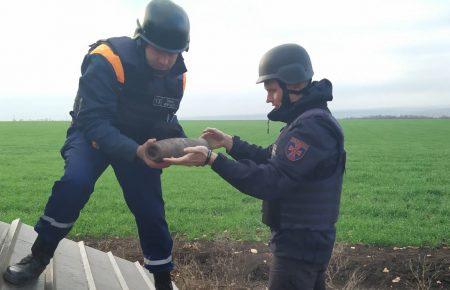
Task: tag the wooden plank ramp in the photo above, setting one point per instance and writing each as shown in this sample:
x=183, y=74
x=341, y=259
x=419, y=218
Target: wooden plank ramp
x=74, y=266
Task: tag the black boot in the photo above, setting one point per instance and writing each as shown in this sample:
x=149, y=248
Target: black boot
x=27, y=270
x=32, y=266
x=163, y=281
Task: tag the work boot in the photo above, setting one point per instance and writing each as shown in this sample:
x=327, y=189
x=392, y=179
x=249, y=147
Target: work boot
x=163, y=281
x=27, y=270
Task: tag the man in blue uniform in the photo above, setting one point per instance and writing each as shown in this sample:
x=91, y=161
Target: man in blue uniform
x=299, y=177
x=128, y=94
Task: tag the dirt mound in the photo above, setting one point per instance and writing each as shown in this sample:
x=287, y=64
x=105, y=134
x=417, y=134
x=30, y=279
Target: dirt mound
x=225, y=264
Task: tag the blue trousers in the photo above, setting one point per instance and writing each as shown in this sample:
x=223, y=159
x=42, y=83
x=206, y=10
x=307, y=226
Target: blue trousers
x=288, y=273
x=141, y=186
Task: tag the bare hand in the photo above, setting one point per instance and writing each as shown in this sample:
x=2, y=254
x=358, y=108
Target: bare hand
x=142, y=154
x=217, y=139
x=196, y=156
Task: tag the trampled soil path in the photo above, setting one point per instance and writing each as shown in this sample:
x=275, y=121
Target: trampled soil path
x=225, y=264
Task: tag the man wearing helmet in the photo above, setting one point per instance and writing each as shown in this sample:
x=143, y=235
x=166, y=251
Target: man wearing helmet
x=299, y=177
x=128, y=94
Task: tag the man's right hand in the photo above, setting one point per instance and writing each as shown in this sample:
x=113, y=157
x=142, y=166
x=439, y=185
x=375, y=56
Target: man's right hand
x=217, y=139
x=141, y=152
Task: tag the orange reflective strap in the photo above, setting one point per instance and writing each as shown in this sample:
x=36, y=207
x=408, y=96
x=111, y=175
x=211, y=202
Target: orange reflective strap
x=113, y=59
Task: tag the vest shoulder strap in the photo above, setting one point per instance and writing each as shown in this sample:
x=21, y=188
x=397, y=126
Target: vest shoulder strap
x=326, y=115
x=313, y=113
x=317, y=113
x=106, y=51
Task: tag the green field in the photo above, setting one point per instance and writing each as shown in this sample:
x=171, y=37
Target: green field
x=396, y=190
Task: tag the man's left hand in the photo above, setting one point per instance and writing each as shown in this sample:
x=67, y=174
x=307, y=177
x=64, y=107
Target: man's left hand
x=196, y=156
x=142, y=154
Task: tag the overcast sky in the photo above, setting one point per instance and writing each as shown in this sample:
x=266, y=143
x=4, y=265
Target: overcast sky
x=378, y=54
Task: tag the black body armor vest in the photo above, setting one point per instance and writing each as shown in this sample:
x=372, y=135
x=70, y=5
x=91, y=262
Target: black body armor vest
x=147, y=103
x=315, y=204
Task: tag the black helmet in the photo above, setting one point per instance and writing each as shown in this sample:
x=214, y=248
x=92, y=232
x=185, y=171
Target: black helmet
x=166, y=26
x=289, y=63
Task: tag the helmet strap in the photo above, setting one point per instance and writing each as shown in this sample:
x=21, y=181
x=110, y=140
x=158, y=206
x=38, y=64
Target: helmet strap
x=285, y=98
x=138, y=31
x=298, y=92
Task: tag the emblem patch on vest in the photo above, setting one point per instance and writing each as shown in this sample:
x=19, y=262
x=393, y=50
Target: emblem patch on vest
x=296, y=149
x=165, y=102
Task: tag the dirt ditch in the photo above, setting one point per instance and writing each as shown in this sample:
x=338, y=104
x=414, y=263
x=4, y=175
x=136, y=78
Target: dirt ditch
x=225, y=264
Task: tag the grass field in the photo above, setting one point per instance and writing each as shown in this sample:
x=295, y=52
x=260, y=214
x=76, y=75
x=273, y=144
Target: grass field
x=396, y=190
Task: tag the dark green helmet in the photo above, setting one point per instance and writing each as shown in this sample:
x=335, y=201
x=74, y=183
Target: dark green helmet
x=166, y=26
x=288, y=63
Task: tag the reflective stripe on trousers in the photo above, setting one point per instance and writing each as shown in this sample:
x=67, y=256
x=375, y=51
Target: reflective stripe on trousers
x=150, y=262
x=54, y=223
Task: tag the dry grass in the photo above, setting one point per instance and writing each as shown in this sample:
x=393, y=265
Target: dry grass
x=219, y=268
x=354, y=280
x=228, y=264
x=223, y=268
x=424, y=273
x=336, y=267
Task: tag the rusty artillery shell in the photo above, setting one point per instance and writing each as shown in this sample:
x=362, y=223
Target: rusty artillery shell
x=173, y=147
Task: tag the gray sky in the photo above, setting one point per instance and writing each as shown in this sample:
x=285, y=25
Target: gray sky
x=378, y=54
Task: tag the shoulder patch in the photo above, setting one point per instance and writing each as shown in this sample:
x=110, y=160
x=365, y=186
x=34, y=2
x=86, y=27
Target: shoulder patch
x=295, y=149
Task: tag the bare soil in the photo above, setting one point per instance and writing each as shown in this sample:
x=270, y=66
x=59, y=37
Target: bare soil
x=225, y=264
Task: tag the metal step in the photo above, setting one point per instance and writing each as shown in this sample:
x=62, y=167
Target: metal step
x=117, y=272
x=8, y=247
x=74, y=266
x=50, y=276
x=21, y=247
x=3, y=231
x=68, y=270
x=131, y=274
x=102, y=270
x=143, y=272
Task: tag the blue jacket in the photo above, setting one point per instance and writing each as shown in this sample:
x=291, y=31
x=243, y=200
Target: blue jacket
x=299, y=178
x=103, y=96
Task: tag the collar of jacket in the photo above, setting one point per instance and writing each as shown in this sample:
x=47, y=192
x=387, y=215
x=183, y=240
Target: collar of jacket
x=316, y=95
